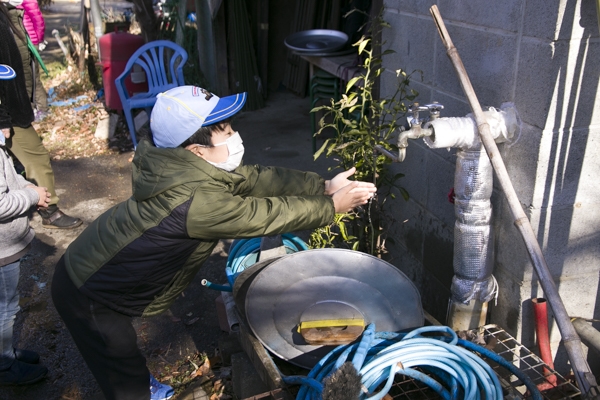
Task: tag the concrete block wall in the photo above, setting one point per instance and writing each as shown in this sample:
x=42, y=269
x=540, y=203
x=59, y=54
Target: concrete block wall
x=544, y=57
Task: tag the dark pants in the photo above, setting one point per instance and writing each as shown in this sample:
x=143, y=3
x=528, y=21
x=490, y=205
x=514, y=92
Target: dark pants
x=106, y=339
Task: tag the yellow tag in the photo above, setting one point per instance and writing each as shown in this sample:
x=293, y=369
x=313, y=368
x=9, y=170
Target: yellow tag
x=328, y=323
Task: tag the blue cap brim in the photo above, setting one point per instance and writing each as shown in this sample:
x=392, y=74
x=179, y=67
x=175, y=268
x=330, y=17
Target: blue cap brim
x=226, y=107
x=7, y=72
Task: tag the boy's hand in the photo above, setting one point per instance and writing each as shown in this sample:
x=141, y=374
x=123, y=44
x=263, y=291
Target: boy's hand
x=351, y=196
x=6, y=132
x=341, y=180
x=44, y=195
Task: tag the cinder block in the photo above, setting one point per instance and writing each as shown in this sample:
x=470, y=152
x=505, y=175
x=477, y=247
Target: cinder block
x=413, y=168
x=521, y=165
x=434, y=293
x=406, y=219
x=407, y=6
x=540, y=65
x=569, y=252
x=440, y=181
x=562, y=22
x=489, y=59
x=505, y=15
x=413, y=47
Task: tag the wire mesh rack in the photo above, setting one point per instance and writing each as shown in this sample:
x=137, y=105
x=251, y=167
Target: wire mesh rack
x=552, y=385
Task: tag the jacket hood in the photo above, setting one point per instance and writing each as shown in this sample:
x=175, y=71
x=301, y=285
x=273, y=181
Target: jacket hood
x=156, y=170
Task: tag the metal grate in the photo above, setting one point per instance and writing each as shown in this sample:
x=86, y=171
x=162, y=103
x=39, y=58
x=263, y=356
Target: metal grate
x=506, y=346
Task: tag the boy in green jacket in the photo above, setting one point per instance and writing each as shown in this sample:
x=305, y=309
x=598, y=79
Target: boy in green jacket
x=189, y=191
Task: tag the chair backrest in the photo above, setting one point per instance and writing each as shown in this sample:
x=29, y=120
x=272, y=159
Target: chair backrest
x=163, y=61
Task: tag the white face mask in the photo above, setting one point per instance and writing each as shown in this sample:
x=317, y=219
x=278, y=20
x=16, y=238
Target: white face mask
x=236, y=152
x=14, y=3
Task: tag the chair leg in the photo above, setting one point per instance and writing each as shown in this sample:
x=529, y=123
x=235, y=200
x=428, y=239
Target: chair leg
x=130, y=125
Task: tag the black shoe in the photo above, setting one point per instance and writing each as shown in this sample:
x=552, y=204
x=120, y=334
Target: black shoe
x=21, y=373
x=53, y=218
x=27, y=356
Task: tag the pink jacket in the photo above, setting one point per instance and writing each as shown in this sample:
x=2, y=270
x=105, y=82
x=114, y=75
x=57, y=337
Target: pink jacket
x=33, y=21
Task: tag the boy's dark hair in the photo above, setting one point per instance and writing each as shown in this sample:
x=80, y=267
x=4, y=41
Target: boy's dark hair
x=203, y=135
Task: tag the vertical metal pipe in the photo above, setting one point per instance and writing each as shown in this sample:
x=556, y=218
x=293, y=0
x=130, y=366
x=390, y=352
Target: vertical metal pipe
x=543, y=338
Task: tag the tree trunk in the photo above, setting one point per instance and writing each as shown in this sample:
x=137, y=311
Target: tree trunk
x=181, y=14
x=144, y=13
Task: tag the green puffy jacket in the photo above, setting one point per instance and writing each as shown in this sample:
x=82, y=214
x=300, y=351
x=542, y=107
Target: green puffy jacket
x=139, y=255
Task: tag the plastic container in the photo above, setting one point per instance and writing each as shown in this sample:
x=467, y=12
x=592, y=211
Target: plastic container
x=115, y=50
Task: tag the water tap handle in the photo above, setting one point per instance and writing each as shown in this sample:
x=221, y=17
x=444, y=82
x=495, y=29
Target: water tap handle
x=434, y=109
x=414, y=110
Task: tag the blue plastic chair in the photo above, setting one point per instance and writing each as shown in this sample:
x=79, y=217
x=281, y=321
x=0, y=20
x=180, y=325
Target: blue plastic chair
x=163, y=61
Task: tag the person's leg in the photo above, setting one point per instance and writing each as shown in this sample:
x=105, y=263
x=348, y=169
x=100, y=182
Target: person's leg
x=40, y=97
x=27, y=146
x=9, y=306
x=105, y=338
x=13, y=370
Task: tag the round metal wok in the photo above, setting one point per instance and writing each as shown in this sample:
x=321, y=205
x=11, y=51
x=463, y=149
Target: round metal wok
x=316, y=41
x=326, y=284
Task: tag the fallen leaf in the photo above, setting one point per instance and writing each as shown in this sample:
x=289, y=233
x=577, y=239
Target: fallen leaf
x=217, y=385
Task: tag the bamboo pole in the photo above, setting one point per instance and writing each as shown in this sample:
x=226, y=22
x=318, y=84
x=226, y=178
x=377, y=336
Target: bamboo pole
x=585, y=379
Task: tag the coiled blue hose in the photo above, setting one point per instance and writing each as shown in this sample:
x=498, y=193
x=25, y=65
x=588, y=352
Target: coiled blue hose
x=462, y=373
x=244, y=253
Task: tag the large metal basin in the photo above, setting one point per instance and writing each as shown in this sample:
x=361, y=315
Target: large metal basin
x=325, y=284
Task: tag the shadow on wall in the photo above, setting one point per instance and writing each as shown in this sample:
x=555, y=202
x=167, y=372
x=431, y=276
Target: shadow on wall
x=569, y=122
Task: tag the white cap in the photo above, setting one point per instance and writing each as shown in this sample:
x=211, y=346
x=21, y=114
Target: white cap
x=181, y=111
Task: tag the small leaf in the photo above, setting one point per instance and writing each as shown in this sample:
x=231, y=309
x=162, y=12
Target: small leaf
x=404, y=193
x=362, y=46
x=351, y=82
x=320, y=151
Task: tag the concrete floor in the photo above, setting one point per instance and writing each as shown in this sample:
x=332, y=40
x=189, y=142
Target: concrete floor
x=280, y=135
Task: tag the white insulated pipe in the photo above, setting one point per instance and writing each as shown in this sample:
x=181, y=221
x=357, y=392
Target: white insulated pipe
x=473, y=234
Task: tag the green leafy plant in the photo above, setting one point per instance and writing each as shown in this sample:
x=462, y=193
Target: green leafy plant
x=361, y=124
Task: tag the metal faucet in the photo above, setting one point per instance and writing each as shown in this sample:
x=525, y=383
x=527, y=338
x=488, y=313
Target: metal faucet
x=415, y=123
x=416, y=129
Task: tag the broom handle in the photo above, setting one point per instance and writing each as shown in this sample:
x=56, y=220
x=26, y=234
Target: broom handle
x=585, y=379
